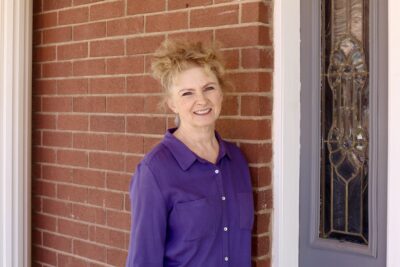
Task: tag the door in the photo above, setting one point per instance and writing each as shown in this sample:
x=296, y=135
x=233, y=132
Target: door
x=343, y=169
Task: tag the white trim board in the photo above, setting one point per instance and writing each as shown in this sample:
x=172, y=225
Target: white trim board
x=286, y=133
x=15, y=132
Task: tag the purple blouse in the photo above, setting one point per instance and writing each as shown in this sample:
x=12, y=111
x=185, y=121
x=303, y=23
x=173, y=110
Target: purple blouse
x=187, y=211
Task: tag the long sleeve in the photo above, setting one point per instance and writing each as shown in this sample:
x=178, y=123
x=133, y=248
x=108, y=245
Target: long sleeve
x=149, y=220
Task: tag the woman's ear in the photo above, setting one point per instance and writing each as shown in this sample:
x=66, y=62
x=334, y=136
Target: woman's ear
x=171, y=105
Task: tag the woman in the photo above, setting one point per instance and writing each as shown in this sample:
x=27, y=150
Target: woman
x=191, y=196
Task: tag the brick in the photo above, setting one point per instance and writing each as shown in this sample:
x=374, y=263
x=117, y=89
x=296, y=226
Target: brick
x=105, y=199
x=72, y=193
x=56, y=104
x=42, y=54
x=125, y=104
x=154, y=104
x=45, y=222
x=111, y=85
x=36, y=171
x=107, y=10
x=37, y=6
x=255, y=58
x=84, y=2
x=231, y=59
x=36, y=38
x=44, y=255
x=230, y=105
x=44, y=188
x=257, y=153
x=109, y=237
x=89, y=250
x=148, y=125
x=84, y=213
x=125, y=143
x=72, y=86
x=89, y=104
x=125, y=26
x=57, y=173
x=69, y=261
x=251, y=81
x=205, y=36
x=36, y=138
x=142, y=7
x=93, y=178
x=57, y=242
x=150, y=142
x=131, y=162
x=72, y=228
x=56, y=4
x=73, y=16
x=244, y=129
x=119, y=220
x=57, y=208
x=57, y=35
x=36, y=237
x=142, y=84
x=73, y=122
x=59, y=69
x=36, y=104
x=107, y=48
x=261, y=176
x=263, y=199
x=72, y=157
x=167, y=22
x=47, y=20
x=89, y=67
x=181, y=4
x=260, y=245
x=214, y=16
x=106, y=161
x=44, y=121
x=262, y=223
x=89, y=141
x=116, y=257
x=125, y=65
x=41, y=154
x=100, y=123
x=57, y=139
x=44, y=87
x=72, y=51
x=117, y=181
x=249, y=36
x=143, y=45
x=256, y=106
x=89, y=31
x=36, y=70
x=256, y=12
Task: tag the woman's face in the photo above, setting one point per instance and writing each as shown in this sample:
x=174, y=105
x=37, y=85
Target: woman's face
x=197, y=97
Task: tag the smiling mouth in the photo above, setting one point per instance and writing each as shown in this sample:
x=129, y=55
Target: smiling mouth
x=203, y=111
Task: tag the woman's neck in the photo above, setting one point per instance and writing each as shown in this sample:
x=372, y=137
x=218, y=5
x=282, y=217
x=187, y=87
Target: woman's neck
x=201, y=141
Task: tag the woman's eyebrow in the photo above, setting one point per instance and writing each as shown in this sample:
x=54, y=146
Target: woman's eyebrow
x=186, y=89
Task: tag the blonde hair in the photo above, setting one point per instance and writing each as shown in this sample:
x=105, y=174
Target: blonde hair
x=175, y=56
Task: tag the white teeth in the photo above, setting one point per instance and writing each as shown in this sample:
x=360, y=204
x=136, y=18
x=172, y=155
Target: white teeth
x=203, y=111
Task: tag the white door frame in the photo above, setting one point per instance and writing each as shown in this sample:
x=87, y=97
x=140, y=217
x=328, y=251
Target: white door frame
x=15, y=132
x=286, y=134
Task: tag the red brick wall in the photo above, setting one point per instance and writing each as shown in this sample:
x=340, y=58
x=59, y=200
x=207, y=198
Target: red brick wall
x=95, y=114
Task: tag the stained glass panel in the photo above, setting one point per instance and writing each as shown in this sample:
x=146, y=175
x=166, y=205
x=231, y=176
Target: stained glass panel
x=344, y=120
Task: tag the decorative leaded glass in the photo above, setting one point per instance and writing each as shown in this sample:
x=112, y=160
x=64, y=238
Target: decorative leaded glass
x=344, y=120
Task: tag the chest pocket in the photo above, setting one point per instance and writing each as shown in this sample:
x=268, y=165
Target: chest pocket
x=199, y=218
x=246, y=209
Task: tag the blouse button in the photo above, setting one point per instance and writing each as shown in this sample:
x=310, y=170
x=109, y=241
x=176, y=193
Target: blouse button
x=226, y=258
x=216, y=171
x=223, y=198
x=225, y=229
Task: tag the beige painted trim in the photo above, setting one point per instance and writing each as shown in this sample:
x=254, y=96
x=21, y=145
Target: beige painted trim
x=15, y=132
x=286, y=135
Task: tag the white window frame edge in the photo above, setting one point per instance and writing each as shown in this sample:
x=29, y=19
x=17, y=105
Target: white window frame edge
x=286, y=133
x=15, y=132
x=393, y=220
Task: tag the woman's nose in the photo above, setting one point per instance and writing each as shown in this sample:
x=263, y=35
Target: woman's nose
x=201, y=98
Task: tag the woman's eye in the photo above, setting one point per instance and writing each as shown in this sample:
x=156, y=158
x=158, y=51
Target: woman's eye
x=209, y=88
x=186, y=93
